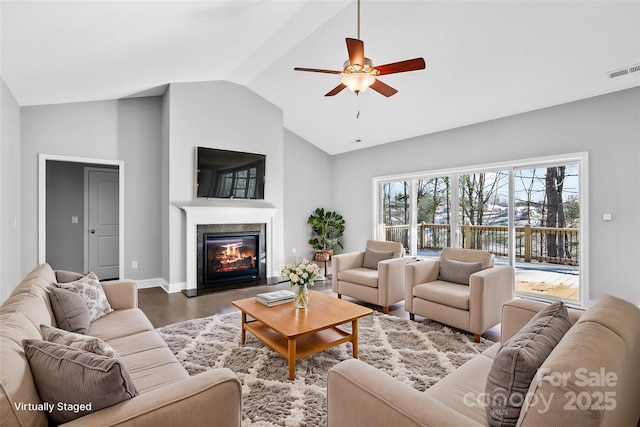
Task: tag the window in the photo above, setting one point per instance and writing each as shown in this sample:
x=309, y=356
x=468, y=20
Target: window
x=434, y=213
x=396, y=211
x=547, y=226
x=527, y=213
x=483, y=213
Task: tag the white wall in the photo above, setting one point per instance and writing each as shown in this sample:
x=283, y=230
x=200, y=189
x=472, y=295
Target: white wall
x=307, y=186
x=227, y=116
x=608, y=127
x=10, y=189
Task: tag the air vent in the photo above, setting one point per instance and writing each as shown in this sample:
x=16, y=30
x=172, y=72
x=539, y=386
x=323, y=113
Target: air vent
x=624, y=71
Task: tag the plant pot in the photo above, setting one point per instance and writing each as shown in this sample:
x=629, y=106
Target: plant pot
x=323, y=255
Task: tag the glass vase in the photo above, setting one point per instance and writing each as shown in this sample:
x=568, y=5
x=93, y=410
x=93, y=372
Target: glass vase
x=301, y=297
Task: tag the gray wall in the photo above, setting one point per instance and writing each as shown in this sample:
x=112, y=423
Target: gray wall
x=607, y=127
x=164, y=179
x=10, y=189
x=139, y=145
x=219, y=115
x=156, y=137
x=307, y=186
x=66, y=198
x=127, y=130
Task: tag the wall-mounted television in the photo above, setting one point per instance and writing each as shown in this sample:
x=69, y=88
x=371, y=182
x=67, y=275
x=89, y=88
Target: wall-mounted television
x=224, y=174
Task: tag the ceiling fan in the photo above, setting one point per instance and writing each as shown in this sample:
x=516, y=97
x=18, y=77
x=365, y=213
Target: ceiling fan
x=359, y=73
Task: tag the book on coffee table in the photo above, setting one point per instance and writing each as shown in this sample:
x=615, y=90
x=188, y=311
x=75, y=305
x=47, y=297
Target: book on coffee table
x=275, y=298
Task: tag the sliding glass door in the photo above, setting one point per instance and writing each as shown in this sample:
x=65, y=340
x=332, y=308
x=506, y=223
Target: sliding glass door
x=526, y=213
x=397, y=202
x=547, y=226
x=484, y=211
x=434, y=214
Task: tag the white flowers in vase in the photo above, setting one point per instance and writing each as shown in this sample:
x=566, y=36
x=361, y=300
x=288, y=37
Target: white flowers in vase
x=300, y=274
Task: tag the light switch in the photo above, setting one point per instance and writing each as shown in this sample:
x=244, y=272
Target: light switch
x=606, y=217
x=74, y=219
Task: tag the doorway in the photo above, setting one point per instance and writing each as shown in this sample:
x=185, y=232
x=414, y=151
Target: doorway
x=78, y=196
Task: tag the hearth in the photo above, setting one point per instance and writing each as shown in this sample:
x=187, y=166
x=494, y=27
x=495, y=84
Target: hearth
x=230, y=257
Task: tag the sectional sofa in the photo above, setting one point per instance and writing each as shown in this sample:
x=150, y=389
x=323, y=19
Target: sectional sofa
x=590, y=378
x=167, y=395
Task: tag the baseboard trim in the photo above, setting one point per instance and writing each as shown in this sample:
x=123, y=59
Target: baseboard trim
x=171, y=288
x=150, y=283
x=159, y=282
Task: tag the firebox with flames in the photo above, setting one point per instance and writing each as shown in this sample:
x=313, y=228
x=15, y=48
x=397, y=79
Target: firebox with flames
x=230, y=256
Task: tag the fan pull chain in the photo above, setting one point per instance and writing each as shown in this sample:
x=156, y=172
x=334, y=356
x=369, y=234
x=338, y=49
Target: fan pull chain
x=358, y=106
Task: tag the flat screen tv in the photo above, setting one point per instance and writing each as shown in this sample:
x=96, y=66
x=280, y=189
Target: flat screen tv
x=224, y=174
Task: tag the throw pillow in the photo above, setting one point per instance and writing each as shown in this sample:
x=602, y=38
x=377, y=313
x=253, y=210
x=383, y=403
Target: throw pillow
x=458, y=271
x=517, y=362
x=76, y=382
x=63, y=276
x=81, y=342
x=373, y=257
x=91, y=291
x=69, y=309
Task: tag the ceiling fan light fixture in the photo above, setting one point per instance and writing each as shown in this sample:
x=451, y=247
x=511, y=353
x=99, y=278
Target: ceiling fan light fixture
x=359, y=73
x=358, y=82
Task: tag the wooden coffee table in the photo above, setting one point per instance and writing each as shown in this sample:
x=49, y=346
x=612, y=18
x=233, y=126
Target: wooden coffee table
x=299, y=333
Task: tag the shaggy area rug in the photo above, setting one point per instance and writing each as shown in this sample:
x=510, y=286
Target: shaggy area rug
x=416, y=353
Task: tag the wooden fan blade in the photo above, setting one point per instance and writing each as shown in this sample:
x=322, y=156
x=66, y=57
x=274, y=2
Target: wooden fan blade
x=383, y=88
x=355, y=48
x=402, y=66
x=335, y=90
x=316, y=70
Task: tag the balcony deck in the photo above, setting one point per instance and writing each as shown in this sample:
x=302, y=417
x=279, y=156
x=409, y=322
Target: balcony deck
x=553, y=283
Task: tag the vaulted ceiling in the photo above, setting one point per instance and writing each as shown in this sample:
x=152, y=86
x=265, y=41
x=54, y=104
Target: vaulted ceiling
x=485, y=59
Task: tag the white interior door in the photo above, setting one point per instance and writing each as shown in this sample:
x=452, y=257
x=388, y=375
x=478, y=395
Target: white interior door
x=103, y=222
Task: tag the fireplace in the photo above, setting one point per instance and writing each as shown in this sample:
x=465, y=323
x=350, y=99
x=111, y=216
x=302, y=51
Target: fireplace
x=230, y=257
x=231, y=220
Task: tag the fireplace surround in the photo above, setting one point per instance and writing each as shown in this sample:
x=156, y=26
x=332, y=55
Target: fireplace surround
x=200, y=220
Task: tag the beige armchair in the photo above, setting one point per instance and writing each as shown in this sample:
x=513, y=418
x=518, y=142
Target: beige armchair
x=436, y=289
x=375, y=275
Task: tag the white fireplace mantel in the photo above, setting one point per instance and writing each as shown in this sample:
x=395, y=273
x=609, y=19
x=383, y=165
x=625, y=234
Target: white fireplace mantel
x=203, y=215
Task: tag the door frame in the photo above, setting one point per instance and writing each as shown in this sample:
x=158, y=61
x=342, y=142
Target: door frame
x=42, y=201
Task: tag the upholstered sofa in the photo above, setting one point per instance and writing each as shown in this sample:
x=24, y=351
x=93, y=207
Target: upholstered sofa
x=590, y=378
x=167, y=396
x=375, y=275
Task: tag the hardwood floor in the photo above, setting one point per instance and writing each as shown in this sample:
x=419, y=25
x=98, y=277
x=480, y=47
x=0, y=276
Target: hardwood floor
x=164, y=309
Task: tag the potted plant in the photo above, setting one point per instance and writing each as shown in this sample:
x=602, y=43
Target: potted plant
x=328, y=227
